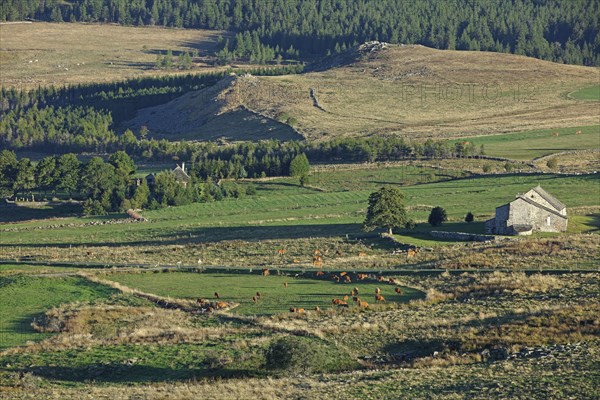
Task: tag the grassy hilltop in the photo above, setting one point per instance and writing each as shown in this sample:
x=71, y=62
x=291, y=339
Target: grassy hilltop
x=34, y=54
x=412, y=90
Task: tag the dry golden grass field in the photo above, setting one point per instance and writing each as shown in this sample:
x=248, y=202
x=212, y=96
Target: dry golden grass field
x=33, y=54
x=403, y=90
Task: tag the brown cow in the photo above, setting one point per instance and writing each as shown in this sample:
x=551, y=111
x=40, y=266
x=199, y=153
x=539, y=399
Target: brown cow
x=380, y=299
x=221, y=304
x=300, y=310
x=336, y=278
x=353, y=293
x=362, y=277
x=377, y=291
x=281, y=251
x=381, y=278
x=398, y=290
x=201, y=301
x=346, y=298
x=347, y=279
x=338, y=302
x=362, y=254
x=343, y=273
x=412, y=253
x=217, y=295
x=293, y=309
x=392, y=281
x=356, y=299
x=356, y=290
x=363, y=304
x=319, y=273
x=266, y=272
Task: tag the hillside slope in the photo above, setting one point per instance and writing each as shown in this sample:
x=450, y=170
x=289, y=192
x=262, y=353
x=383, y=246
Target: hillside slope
x=388, y=89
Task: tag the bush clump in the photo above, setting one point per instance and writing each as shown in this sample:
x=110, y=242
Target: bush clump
x=301, y=355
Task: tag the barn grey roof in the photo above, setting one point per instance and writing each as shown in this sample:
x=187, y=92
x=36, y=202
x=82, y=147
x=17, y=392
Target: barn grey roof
x=549, y=198
x=181, y=174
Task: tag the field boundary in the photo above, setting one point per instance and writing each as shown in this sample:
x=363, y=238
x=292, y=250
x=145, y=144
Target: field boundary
x=291, y=270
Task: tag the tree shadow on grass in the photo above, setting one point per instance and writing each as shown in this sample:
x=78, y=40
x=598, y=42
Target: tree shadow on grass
x=20, y=213
x=125, y=372
x=246, y=233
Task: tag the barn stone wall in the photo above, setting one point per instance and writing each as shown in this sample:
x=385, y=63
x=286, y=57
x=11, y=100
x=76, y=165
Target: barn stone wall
x=524, y=213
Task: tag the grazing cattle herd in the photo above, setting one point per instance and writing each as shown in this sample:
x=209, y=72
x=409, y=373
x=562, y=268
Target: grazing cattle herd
x=342, y=277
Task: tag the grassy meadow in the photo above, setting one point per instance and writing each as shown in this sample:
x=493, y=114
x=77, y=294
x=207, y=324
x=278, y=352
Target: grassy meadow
x=411, y=90
x=23, y=298
x=297, y=212
x=33, y=54
x=538, y=143
x=588, y=93
x=275, y=298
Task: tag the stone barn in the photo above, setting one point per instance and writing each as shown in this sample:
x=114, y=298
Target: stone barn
x=536, y=210
x=181, y=176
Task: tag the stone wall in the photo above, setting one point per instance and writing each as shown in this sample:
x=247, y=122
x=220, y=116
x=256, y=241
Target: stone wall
x=522, y=212
x=463, y=236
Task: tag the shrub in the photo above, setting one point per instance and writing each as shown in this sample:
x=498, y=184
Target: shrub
x=437, y=216
x=552, y=163
x=301, y=355
x=469, y=217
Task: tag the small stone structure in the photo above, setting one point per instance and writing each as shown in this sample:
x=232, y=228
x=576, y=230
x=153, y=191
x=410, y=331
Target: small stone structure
x=180, y=175
x=536, y=210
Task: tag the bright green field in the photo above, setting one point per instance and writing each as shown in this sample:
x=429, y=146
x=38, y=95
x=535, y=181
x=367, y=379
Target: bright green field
x=588, y=93
x=538, y=143
x=293, y=214
x=275, y=298
x=23, y=298
x=350, y=179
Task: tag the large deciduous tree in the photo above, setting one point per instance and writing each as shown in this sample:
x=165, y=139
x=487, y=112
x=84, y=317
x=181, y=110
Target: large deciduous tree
x=67, y=167
x=386, y=210
x=299, y=166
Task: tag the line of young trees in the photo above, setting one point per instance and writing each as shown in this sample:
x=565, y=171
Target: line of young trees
x=57, y=131
x=556, y=30
x=122, y=98
x=105, y=185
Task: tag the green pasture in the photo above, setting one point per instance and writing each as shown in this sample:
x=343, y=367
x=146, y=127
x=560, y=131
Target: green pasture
x=537, y=143
x=367, y=178
x=588, y=93
x=275, y=298
x=287, y=214
x=153, y=363
x=24, y=298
